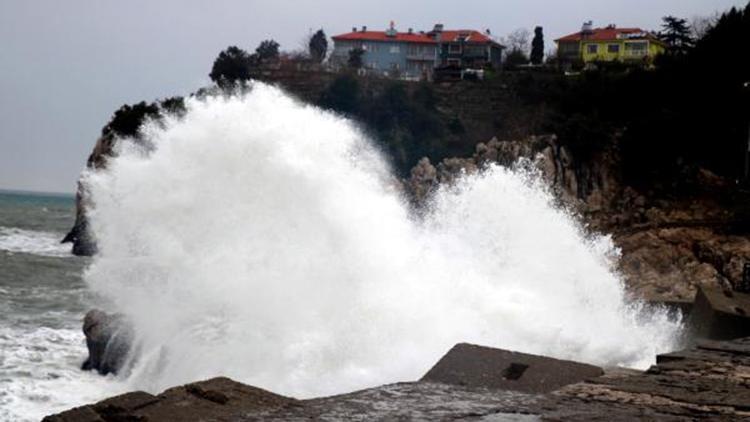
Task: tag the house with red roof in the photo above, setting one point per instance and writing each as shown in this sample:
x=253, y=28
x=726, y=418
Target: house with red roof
x=414, y=55
x=609, y=44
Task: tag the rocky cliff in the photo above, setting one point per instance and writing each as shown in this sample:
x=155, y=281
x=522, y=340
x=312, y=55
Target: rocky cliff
x=670, y=244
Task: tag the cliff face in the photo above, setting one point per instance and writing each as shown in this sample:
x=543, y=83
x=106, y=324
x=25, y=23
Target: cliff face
x=669, y=246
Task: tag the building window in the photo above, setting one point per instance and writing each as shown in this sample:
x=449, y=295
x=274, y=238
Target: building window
x=592, y=48
x=454, y=48
x=637, y=47
x=454, y=62
x=395, y=49
x=613, y=48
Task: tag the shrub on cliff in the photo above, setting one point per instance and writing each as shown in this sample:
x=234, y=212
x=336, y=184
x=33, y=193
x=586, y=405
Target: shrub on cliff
x=267, y=50
x=342, y=95
x=128, y=119
x=230, y=67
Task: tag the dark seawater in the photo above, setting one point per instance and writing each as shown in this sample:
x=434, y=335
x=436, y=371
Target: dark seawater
x=42, y=300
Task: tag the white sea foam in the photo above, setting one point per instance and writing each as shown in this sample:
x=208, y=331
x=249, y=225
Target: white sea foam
x=262, y=239
x=13, y=239
x=40, y=373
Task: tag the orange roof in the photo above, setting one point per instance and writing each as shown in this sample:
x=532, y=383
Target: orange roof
x=471, y=36
x=381, y=36
x=609, y=34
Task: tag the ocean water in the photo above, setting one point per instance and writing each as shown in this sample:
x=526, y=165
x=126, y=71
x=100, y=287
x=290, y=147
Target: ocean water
x=42, y=300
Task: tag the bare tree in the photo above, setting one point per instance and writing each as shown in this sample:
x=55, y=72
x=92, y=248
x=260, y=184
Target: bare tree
x=518, y=40
x=699, y=25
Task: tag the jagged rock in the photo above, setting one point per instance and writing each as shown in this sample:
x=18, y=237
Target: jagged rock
x=477, y=366
x=572, y=181
x=109, y=341
x=424, y=178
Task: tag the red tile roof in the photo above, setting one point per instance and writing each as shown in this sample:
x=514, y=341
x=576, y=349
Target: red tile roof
x=381, y=36
x=472, y=36
x=607, y=34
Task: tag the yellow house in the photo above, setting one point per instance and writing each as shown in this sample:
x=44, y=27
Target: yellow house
x=596, y=45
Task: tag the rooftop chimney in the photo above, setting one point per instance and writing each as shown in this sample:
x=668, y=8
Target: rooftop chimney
x=588, y=27
x=364, y=28
x=411, y=31
x=354, y=29
x=391, y=31
x=438, y=27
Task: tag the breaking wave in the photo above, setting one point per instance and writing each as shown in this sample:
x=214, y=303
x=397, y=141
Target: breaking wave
x=265, y=240
x=34, y=242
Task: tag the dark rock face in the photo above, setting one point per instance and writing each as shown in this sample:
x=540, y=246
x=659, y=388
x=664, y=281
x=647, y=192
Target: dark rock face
x=80, y=234
x=109, y=341
x=477, y=366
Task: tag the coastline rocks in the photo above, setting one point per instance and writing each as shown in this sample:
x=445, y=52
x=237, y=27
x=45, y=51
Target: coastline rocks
x=109, y=341
x=707, y=382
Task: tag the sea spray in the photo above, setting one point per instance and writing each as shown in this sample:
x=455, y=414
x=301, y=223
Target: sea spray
x=263, y=239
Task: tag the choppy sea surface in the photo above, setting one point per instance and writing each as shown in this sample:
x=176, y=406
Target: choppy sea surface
x=42, y=301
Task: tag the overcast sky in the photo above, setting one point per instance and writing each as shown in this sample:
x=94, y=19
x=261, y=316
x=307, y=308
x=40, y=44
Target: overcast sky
x=66, y=65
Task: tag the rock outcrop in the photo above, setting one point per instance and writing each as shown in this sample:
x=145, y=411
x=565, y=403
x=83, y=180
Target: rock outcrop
x=595, y=185
x=109, y=340
x=710, y=381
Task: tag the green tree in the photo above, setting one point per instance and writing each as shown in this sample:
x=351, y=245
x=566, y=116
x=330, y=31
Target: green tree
x=342, y=95
x=355, y=58
x=676, y=33
x=128, y=119
x=267, y=50
x=231, y=66
x=537, y=46
x=318, y=46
